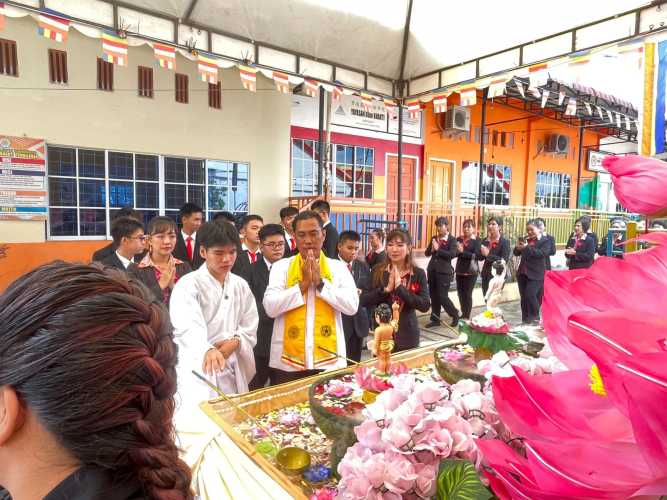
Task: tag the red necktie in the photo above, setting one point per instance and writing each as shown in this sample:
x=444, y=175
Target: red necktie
x=188, y=247
x=253, y=256
x=292, y=244
x=349, y=266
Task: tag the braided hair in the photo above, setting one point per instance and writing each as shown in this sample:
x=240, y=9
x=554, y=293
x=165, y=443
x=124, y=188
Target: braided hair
x=91, y=354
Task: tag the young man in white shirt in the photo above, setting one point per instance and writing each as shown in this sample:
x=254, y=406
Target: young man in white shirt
x=250, y=234
x=215, y=320
x=306, y=295
x=128, y=239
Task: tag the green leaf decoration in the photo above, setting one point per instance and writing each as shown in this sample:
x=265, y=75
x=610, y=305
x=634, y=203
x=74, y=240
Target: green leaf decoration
x=492, y=342
x=458, y=480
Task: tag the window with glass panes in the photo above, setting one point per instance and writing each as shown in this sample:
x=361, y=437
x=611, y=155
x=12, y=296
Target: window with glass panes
x=496, y=183
x=353, y=166
x=552, y=190
x=87, y=187
x=305, y=155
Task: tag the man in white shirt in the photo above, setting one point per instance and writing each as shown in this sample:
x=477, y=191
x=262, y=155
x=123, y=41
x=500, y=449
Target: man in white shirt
x=215, y=321
x=306, y=295
x=187, y=243
x=128, y=239
x=250, y=234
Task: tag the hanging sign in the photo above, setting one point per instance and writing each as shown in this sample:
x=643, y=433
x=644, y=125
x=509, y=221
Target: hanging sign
x=351, y=111
x=412, y=126
x=595, y=161
x=23, y=186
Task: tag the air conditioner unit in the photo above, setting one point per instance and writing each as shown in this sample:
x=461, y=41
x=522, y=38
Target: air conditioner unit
x=455, y=122
x=558, y=144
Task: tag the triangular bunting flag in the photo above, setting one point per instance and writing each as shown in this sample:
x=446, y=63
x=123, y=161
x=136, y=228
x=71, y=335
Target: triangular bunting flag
x=627, y=123
x=611, y=117
x=468, y=96
x=519, y=87
x=311, y=87
x=166, y=55
x=538, y=79
x=588, y=108
x=571, y=109
x=440, y=103
x=114, y=48
x=599, y=109
x=2, y=15
x=545, y=97
x=207, y=68
x=497, y=88
x=535, y=92
x=366, y=101
x=561, y=98
x=413, y=107
x=389, y=104
x=248, y=76
x=50, y=25
x=282, y=82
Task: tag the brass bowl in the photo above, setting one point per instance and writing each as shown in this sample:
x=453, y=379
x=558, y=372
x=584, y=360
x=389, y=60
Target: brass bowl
x=369, y=396
x=293, y=460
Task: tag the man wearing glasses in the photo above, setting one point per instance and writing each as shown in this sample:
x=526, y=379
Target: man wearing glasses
x=128, y=239
x=272, y=249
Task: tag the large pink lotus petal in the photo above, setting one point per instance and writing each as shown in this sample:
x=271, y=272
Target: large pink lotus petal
x=532, y=406
x=640, y=184
x=645, y=378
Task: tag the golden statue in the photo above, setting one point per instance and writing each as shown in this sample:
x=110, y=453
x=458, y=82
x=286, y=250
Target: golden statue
x=383, y=340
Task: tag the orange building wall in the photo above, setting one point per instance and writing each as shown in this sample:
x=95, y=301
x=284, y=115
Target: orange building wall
x=23, y=257
x=529, y=133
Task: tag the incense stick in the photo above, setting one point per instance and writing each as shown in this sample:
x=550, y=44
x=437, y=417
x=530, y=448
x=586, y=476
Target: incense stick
x=356, y=363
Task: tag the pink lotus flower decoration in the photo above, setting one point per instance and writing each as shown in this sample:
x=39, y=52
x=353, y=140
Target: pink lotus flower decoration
x=338, y=389
x=639, y=183
x=584, y=445
x=369, y=381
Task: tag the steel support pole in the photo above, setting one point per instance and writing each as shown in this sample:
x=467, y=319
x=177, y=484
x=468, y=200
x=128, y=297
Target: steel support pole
x=481, y=147
x=321, y=146
x=399, y=168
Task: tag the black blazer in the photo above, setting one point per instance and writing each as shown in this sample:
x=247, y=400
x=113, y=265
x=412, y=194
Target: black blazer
x=501, y=251
x=110, y=249
x=373, y=259
x=330, y=246
x=359, y=324
x=552, y=250
x=242, y=266
x=407, y=336
x=441, y=260
x=112, y=260
x=469, y=255
x=585, y=253
x=533, y=263
x=147, y=276
x=181, y=252
x=288, y=251
x=258, y=281
x=602, y=248
x=89, y=482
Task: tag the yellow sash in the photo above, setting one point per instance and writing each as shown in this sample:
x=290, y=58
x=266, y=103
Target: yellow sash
x=294, y=336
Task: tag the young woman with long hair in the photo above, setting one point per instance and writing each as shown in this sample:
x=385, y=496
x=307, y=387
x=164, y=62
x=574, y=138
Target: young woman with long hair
x=398, y=279
x=87, y=384
x=159, y=270
x=467, y=268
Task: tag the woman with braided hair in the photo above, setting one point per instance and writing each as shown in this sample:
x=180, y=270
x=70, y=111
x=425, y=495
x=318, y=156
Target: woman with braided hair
x=87, y=383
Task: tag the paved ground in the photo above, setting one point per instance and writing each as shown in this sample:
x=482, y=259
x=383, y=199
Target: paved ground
x=512, y=311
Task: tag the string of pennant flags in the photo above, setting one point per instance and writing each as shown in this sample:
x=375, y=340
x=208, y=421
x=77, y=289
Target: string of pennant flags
x=115, y=49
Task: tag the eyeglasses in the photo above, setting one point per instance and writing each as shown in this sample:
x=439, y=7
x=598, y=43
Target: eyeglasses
x=273, y=246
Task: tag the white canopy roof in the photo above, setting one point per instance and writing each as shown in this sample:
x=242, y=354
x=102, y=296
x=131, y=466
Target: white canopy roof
x=368, y=34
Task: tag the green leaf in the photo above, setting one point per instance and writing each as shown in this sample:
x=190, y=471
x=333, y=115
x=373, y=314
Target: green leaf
x=458, y=480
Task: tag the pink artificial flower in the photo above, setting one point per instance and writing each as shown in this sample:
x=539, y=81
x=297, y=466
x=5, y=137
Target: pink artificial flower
x=466, y=386
x=429, y=393
x=400, y=473
x=639, y=183
x=425, y=484
x=338, y=389
x=324, y=494
x=397, y=434
x=398, y=369
x=369, y=435
x=391, y=399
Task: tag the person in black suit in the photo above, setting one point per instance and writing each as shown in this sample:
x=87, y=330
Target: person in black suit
x=108, y=250
x=442, y=249
x=580, y=248
x=467, y=267
x=530, y=276
x=187, y=245
x=589, y=232
x=272, y=245
x=287, y=215
x=330, y=246
x=356, y=327
x=493, y=248
x=617, y=239
x=250, y=226
x=552, y=241
x=226, y=216
x=399, y=280
x=128, y=239
x=377, y=253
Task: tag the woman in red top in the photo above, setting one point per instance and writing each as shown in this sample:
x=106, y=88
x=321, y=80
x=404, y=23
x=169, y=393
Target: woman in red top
x=467, y=268
x=159, y=270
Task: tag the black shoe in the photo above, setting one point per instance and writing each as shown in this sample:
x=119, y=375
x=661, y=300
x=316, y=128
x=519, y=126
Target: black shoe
x=432, y=324
x=455, y=321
